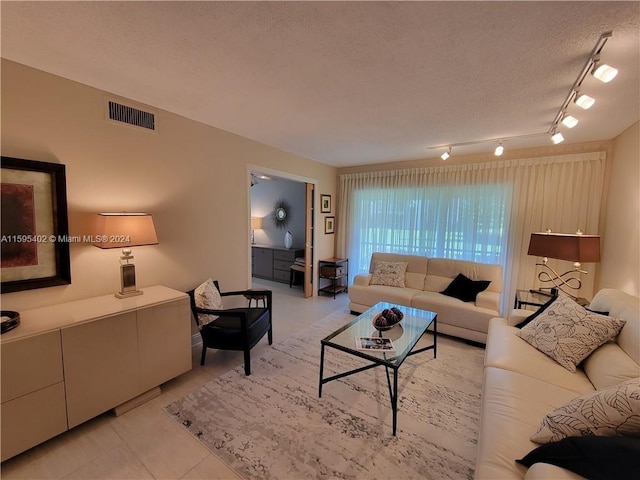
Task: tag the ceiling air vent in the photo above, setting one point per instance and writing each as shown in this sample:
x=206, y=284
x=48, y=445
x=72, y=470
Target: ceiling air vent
x=131, y=116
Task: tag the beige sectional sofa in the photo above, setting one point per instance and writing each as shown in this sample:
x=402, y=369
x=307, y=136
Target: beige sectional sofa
x=423, y=280
x=522, y=385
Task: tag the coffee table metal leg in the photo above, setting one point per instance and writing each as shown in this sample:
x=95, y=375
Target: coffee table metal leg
x=321, y=369
x=435, y=337
x=394, y=400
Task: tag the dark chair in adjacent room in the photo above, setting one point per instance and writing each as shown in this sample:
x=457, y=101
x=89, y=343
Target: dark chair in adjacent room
x=235, y=328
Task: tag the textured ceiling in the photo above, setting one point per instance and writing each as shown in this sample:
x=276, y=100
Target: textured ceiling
x=345, y=83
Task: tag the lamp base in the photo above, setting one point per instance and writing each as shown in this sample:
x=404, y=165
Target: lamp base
x=128, y=282
x=134, y=293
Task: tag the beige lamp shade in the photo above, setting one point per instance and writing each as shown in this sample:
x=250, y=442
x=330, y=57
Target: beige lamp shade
x=256, y=223
x=572, y=247
x=121, y=230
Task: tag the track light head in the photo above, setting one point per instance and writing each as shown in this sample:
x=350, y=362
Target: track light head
x=557, y=137
x=603, y=72
x=499, y=150
x=569, y=121
x=584, y=101
x=446, y=154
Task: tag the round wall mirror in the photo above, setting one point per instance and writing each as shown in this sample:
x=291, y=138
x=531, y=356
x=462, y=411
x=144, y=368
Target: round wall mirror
x=281, y=213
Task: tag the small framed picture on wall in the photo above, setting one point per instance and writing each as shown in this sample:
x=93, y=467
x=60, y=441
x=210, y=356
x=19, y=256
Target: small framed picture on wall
x=325, y=203
x=329, y=225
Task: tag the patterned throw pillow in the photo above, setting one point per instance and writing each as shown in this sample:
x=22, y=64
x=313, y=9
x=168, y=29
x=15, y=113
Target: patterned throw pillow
x=207, y=296
x=611, y=411
x=568, y=333
x=389, y=273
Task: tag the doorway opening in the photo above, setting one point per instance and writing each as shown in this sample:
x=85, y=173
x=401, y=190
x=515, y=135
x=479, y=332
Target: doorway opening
x=282, y=236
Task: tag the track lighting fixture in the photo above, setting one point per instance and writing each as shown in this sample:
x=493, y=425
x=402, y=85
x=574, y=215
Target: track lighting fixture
x=569, y=121
x=584, y=101
x=603, y=72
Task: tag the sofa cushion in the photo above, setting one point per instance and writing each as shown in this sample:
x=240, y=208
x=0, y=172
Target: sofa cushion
x=512, y=406
x=442, y=270
x=627, y=307
x=390, y=274
x=453, y=311
x=371, y=294
x=596, y=458
x=464, y=288
x=506, y=350
x=568, y=333
x=612, y=411
x=609, y=365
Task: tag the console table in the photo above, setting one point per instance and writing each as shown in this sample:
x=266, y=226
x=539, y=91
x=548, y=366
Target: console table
x=68, y=363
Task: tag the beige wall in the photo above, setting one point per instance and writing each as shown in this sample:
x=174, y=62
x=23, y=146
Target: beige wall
x=620, y=250
x=193, y=179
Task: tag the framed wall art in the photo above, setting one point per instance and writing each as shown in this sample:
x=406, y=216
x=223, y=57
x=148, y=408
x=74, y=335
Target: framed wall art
x=329, y=225
x=34, y=226
x=325, y=203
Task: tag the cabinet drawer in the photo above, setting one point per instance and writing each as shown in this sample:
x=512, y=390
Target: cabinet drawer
x=282, y=265
x=281, y=275
x=32, y=419
x=31, y=364
x=287, y=255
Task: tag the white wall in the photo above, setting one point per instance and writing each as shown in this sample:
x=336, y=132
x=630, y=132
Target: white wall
x=620, y=243
x=193, y=178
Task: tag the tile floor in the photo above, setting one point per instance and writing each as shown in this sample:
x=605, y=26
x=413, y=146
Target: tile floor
x=145, y=443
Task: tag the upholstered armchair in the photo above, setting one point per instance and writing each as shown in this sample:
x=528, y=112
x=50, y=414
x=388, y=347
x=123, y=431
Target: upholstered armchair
x=230, y=328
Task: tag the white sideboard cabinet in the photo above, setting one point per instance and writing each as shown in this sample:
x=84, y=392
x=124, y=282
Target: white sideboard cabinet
x=68, y=363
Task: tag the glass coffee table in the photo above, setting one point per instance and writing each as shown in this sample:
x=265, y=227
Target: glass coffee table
x=404, y=337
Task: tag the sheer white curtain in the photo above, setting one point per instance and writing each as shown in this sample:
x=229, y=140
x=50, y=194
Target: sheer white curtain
x=481, y=212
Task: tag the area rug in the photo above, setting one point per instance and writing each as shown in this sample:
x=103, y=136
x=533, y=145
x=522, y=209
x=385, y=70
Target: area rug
x=272, y=425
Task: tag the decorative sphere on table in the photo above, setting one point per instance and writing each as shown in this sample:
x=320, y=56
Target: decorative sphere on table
x=387, y=318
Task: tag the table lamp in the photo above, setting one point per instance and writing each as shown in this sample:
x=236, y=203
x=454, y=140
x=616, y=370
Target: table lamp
x=125, y=230
x=256, y=224
x=572, y=247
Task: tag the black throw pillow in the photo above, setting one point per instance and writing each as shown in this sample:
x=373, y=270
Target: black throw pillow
x=536, y=313
x=465, y=289
x=593, y=457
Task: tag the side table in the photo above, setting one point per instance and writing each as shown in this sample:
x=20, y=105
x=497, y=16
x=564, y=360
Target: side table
x=525, y=298
x=334, y=269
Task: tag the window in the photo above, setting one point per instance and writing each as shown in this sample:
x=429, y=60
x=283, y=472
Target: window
x=466, y=222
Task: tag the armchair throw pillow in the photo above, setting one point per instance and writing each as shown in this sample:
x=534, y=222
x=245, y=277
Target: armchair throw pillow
x=390, y=274
x=207, y=296
x=568, y=333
